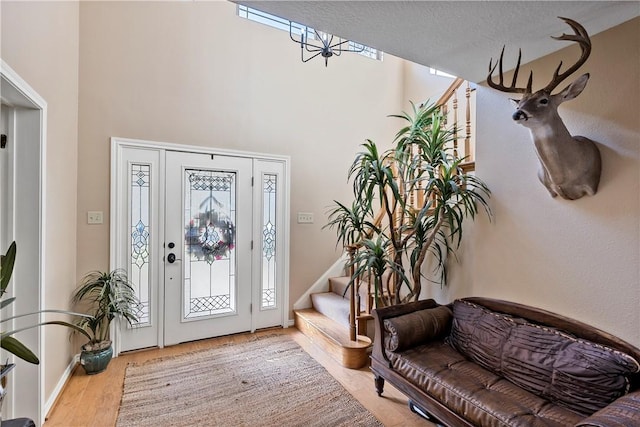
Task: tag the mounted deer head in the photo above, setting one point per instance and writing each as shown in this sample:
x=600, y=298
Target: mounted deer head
x=569, y=165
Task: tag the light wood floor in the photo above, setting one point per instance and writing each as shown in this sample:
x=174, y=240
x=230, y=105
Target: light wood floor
x=94, y=400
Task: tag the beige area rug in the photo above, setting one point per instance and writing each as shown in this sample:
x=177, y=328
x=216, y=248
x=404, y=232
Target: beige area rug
x=270, y=381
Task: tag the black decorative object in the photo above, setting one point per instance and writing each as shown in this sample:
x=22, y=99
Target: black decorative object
x=316, y=43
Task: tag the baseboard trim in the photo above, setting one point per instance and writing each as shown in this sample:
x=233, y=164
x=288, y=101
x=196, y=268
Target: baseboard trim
x=57, y=391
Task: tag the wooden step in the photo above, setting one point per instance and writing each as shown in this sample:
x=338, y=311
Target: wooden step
x=333, y=338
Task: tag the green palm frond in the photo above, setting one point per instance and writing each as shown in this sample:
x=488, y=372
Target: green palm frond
x=18, y=349
x=109, y=295
x=6, y=267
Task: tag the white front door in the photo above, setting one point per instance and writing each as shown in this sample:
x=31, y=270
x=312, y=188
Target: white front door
x=208, y=213
x=203, y=239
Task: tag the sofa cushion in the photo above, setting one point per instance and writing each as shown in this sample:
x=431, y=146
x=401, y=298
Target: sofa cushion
x=480, y=335
x=578, y=374
x=474, y=393
x=624, y=412
x=417, y=328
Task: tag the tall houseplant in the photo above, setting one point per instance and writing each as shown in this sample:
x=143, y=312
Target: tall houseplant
x=7, y=340
x=106, y=296
x=409, y=201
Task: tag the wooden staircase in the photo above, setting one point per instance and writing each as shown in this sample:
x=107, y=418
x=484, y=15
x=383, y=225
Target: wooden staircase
x=327, y=325
x=333, y=338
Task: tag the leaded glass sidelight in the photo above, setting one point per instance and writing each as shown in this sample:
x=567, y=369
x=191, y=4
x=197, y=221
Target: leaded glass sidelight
x=269, y=241
x=139, y=268
x=209, y=254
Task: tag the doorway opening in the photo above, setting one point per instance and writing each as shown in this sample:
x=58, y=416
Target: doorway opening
x=22, y=190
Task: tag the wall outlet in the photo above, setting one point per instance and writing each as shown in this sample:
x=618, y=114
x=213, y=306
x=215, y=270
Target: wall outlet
x=305, y=218
x=94, y=217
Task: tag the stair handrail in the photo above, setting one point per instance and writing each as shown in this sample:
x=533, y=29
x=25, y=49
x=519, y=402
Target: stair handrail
x=446, y=96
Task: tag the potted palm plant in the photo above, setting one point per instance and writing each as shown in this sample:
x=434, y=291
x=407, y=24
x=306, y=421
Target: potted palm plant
x=409, y=202
x=106, y=296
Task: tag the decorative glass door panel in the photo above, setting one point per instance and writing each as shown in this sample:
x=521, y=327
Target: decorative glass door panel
x=208, y=217
x=137, y=235
x=269, y=241
x=269, y=219
x=140, y=268
x=209, y=242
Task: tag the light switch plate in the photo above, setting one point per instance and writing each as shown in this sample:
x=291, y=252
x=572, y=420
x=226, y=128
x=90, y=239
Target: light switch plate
x=305, y=218
x=94, y=217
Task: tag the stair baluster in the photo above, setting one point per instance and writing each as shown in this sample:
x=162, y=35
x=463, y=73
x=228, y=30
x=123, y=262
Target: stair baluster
x=351, y=250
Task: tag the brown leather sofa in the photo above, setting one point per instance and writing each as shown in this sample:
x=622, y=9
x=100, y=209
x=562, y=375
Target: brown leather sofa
x=484, y=362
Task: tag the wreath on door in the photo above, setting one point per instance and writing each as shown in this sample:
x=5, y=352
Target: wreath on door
x=217, y=238
x=211, y=236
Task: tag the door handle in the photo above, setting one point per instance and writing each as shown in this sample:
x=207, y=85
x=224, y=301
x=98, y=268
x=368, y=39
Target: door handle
x=171, y=258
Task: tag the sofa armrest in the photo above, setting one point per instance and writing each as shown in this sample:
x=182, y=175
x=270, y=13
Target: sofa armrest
x=623, y=412
x=405, y=324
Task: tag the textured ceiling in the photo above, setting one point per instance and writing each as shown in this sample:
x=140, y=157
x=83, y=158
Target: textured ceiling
x=458, y=37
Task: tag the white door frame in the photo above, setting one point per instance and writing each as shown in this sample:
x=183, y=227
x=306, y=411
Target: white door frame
x=27, y=190
x=117, y=146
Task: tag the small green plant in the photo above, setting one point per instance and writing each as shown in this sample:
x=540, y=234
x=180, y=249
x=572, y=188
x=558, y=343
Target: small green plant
x=107, y=295
x=10, y=343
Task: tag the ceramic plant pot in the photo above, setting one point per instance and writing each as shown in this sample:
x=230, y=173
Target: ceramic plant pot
x=96, y=361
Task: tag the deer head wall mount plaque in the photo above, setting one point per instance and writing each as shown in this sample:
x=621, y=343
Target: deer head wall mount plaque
x=570, y=166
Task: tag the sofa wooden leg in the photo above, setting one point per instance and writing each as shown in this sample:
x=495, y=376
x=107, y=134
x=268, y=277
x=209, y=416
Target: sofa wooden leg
x=379, y=384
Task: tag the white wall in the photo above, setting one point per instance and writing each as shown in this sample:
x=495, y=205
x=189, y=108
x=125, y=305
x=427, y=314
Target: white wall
x=40, y=42
x=578, y=258
x=194, y=73
x=420, y=85
x=538, y=250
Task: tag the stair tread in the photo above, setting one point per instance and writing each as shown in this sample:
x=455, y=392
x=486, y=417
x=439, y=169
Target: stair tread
x=332, y=329
x=340, y=286
x=331, y=295
x=333, y=306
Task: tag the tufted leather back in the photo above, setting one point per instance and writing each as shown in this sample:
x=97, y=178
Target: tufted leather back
x=565, y=368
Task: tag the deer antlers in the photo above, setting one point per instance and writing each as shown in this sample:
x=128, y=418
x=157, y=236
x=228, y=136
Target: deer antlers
x=580, y=36
x=500, y=86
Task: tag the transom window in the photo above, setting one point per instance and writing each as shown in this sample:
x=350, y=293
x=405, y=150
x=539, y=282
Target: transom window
x=441, y=73
x=283, y=24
